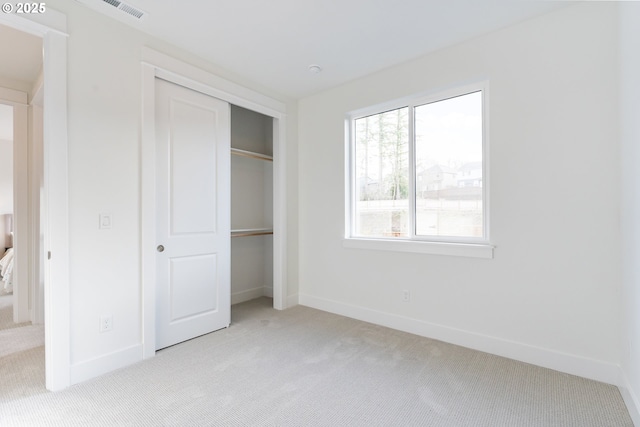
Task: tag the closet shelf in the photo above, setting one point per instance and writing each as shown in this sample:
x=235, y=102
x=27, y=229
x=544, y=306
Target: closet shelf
x=245, y=232
x=251, y=154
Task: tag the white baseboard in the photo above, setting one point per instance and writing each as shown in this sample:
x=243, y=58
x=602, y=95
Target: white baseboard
x=249, y=294
x=292, y=300
x=84, y=371
x=575, y=365
x=630, y=399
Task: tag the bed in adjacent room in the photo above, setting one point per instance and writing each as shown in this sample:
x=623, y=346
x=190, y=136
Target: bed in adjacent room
x=6, y=272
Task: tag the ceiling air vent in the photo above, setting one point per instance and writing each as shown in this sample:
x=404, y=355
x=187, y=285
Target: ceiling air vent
x=123, y=7
x=131, y=10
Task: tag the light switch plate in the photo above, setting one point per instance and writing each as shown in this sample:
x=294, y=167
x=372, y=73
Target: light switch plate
x=106, y=221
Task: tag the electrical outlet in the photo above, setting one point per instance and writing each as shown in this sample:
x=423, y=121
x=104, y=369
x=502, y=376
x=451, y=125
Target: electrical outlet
x=106, y=323
x=406, y=296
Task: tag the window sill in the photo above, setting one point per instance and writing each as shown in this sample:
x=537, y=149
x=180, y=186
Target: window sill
x=433, y=248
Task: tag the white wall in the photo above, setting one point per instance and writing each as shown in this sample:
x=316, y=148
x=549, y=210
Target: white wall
x=551, y=295
x=6, y=159
x=6, y=177
x=630, y=183
x=104, y=104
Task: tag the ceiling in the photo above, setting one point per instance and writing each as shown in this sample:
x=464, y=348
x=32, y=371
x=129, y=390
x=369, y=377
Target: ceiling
x=273, y=42
x=21, y=55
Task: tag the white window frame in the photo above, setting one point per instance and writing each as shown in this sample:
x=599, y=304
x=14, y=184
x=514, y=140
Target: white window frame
x=437, y=245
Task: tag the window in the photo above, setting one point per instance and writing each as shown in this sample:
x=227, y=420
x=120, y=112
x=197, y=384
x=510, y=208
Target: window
x=418, y=170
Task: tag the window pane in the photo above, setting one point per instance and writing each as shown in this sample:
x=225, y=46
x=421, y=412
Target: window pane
x=382, y=175
x=449, y=167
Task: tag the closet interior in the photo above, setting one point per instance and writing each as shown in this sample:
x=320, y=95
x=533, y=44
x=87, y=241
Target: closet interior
x=251, y=205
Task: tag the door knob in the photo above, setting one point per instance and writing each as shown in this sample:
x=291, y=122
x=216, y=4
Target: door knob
x=160, y=248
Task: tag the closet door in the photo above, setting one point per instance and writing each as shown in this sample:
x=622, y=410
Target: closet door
x=193, y=220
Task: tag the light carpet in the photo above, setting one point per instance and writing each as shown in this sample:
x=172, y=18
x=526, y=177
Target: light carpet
x=20, y=339
x=6, y=313
x=304, y=367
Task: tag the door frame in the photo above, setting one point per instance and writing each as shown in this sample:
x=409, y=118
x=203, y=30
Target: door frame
x=28, y=292
x=36, y=242
x=158, y=65
x=52, y=28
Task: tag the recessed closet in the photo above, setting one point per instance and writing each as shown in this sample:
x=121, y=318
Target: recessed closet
x=191, y=132
x=251, y=205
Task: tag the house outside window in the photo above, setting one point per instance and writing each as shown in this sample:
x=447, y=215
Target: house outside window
x=418, y=169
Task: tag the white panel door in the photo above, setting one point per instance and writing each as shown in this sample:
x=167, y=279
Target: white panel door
x=193, y=214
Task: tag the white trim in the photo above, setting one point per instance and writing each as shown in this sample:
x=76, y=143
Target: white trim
x=12, y=96
x=412, y=170
x=37, y=23
x=249, y=294
x=292, y=300
x=21, y=240
x=279, y=214
x=101, y=365
x=56, y=211
x=486, y=161
x=176, y=71
x=350, y=189
x=563, y=362
x=147, y=212
x=158, y=65
x=630, y=398
x=36, y=248
x=51, y=26
x=423, y=247
x=37, y=91
x=424, y=97
x=267, y=291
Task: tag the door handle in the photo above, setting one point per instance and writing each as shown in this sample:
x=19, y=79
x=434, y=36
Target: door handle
x=160, y=248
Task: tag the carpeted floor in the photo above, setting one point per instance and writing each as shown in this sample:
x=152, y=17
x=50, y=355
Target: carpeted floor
x=304, y=367
x=20, y=339
x=16, y=337
x=6, y=313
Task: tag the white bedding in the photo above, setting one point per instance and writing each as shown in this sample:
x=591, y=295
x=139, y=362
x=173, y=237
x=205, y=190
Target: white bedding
x=6, y=272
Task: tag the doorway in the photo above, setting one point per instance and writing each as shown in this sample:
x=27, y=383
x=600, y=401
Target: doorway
x=7, y=312
x=54, y=190
x=21, y=309
x=21, y=175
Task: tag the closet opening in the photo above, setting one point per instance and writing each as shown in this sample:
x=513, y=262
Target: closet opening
x=254, y=192
x=251, y=205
